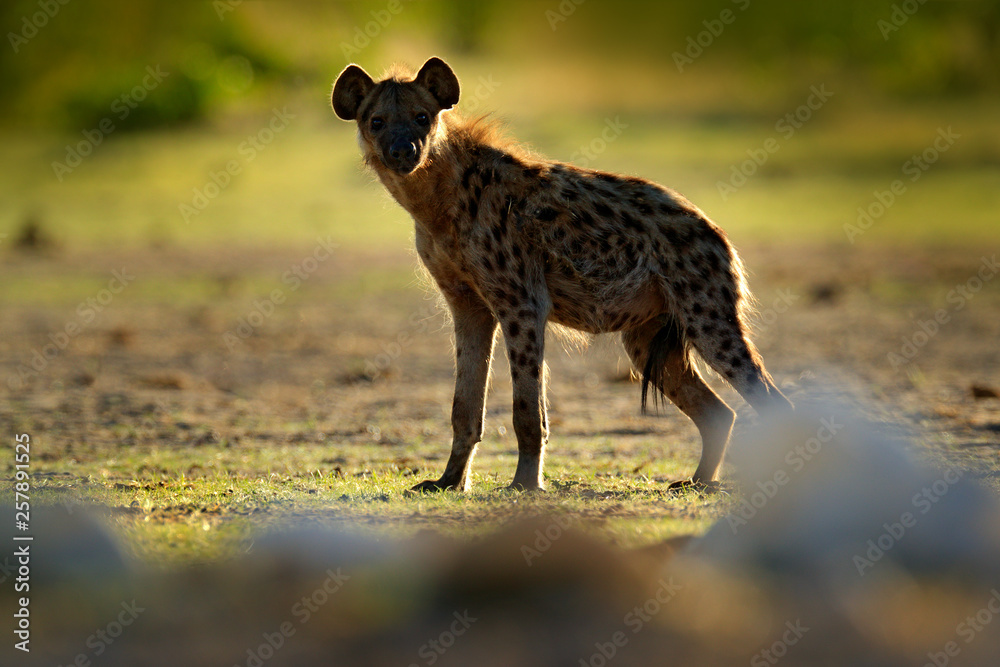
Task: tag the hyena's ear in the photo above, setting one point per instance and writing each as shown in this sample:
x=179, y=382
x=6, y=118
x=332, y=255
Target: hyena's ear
x=351, y=87
x=440, y=81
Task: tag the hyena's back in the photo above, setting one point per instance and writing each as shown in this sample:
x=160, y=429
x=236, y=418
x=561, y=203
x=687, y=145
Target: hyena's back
x=615, y=251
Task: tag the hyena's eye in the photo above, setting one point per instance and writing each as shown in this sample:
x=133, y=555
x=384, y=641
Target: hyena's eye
x=422, y=119
x=377, y=124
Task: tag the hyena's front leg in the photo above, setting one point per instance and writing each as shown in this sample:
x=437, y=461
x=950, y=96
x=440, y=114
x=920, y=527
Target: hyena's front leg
x=475, y=334
x=525, y=339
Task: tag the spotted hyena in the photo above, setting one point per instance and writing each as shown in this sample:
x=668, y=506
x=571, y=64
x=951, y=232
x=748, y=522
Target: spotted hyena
x=516, y=241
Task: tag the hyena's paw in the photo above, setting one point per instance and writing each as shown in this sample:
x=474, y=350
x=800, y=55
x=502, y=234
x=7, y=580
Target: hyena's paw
x=521, y=488
x=705, y=488
x=435, y=485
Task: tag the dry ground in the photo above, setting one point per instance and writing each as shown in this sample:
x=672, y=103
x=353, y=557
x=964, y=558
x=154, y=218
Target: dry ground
x=339, y=398
x=338, y=402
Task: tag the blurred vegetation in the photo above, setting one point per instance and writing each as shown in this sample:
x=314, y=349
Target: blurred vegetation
x=554, y=70
x=87, y=53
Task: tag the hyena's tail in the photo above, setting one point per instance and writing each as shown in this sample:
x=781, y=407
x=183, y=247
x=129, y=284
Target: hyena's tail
x=668, y=342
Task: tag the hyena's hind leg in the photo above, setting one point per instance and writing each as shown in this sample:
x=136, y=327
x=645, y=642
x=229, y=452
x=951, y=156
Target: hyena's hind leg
x=658, y=352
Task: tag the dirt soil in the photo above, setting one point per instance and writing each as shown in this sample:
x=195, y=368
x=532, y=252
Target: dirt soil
x=359, y=352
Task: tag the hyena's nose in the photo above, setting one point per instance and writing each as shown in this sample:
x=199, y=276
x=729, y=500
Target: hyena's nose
x=403, y=150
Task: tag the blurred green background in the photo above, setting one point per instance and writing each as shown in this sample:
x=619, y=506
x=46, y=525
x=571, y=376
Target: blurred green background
x=208, y=123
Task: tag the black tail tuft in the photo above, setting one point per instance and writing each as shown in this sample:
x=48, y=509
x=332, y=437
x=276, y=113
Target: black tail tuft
x=669, y=340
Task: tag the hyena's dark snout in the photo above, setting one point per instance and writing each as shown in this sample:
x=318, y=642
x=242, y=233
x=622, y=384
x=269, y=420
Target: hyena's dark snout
x=402, y=154
x=403, y=149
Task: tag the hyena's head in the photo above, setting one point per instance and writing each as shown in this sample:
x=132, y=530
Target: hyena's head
x=397, y=117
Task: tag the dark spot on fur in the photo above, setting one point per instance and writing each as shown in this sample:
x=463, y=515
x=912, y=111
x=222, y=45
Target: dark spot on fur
x=569, y=194
x=631, y=222
x=559, y=234
x=603, y=210
x=669, y=208
x=514, y=329
x=521, y=405
x=501, y=261
x=531, y=172
x=608, y=178
x=696, y=308
x=467, y=176
x=586, y=219
x=630, y=257
x=547, y=214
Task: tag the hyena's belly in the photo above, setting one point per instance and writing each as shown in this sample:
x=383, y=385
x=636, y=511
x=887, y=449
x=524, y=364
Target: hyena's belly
x=595, y=305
